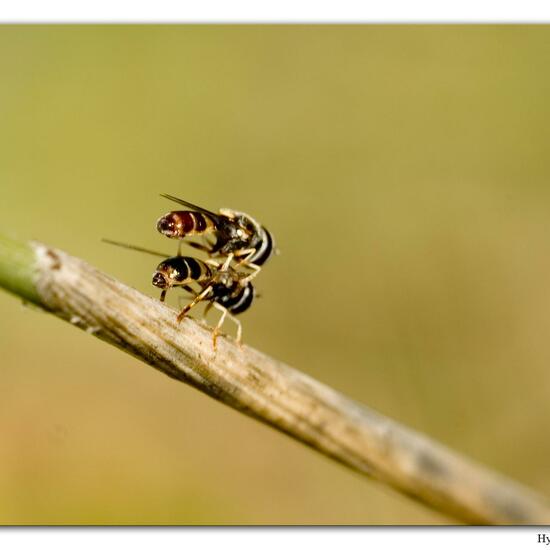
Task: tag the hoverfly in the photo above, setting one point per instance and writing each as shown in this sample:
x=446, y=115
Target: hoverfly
x=237, y=235
x=220, y=285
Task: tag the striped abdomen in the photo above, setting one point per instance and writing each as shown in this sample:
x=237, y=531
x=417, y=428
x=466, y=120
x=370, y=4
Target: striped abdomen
x=235, y=302
x=181, y=270
x=264, y=248
x=183, y=223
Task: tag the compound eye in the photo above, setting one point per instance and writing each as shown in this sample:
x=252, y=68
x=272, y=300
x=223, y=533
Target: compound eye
x=159, y=280
x=165, y=225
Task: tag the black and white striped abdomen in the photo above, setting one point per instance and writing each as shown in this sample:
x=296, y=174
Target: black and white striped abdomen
x=237, y=303
x=184, y=269
x=264, y=249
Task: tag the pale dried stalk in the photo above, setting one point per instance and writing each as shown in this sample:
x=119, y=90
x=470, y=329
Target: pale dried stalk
x=280, y=396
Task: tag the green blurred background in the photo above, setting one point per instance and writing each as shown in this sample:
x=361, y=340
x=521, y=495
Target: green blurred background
x=404, y=171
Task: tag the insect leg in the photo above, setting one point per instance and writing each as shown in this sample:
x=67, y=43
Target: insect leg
x=213, y=263
x=200, y=246
x=196, y=300
x=239, y=330
x=242, y=257
x=225, y=265
x=220, y=322
x=207, y=308
x=225, y=313
x=188, y=289
x=255, y=270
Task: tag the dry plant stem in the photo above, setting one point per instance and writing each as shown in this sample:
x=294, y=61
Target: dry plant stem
x=276, y=394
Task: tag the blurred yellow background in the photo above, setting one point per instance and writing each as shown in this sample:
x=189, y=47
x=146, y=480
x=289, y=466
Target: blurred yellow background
x=404, y=171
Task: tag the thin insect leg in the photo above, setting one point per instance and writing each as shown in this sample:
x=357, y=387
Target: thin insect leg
x=191, y=291
x=226, y=314
x=239, y=330
x=163, y=295
x=255, y=270
x=199, y=246
x=197, y=299
x=181, y=299
x=213, y=263
x=247, y=253
x=207, y=309
x=184, y=297
x=207, y=245
x=225, y=265
x=243, y=257
x=220, y=322
x=179, y=248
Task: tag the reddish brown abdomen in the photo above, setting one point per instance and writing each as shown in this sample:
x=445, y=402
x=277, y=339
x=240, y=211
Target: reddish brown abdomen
x=192, y=223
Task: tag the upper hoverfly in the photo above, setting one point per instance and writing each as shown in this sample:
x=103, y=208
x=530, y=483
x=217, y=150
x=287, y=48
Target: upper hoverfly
x=237, y=235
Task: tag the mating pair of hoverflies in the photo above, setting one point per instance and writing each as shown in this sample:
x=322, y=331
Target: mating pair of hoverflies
x=239, y=248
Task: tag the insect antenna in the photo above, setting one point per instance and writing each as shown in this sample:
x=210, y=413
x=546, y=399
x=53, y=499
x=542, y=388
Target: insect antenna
x=136, y=248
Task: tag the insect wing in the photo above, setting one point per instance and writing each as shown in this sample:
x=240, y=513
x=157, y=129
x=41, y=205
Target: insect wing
x=191, y=205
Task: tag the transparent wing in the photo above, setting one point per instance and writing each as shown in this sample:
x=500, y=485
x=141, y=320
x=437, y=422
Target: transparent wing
x=190, y=205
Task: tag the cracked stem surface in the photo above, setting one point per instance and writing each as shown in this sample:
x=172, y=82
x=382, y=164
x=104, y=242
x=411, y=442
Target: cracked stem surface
x=266, y=389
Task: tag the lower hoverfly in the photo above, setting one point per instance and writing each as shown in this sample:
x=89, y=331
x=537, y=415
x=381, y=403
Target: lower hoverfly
x=219, y=284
